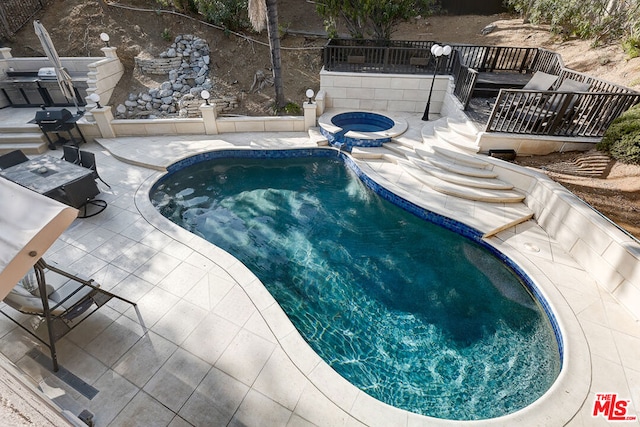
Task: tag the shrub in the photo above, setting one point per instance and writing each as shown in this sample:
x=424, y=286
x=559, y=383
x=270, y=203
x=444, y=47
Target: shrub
x=622, y=139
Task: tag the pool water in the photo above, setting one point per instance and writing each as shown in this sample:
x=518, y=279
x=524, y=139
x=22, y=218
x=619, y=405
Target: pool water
x=413, y=314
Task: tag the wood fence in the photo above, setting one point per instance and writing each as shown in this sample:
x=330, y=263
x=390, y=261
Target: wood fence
x=14, y=14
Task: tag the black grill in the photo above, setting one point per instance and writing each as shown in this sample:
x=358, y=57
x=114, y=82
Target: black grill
x=57, y=121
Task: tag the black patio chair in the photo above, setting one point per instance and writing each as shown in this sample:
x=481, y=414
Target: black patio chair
x=80, y=194
x=71, y=154
x=12, y=158
x=88, y=160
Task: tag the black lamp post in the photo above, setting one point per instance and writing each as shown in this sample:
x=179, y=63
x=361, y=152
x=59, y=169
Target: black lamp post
x=437, y=51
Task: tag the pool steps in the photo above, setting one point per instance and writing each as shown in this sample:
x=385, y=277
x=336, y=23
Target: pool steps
x=477, y=193
x=446, y=161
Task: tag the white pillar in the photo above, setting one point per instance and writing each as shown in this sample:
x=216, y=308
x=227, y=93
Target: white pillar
x=109, y=52
x=209, y=117
x=103, y=117
x=309, y=115
x=5, y=53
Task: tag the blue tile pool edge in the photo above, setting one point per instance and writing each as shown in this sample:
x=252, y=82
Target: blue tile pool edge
x=425, y=214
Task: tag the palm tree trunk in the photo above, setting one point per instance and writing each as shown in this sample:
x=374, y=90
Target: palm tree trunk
x=274, y=44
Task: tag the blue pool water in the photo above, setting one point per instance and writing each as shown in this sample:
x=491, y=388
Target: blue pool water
x=413, y=314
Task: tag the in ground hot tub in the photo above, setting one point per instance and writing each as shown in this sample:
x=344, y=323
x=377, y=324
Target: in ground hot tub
x=350, y=129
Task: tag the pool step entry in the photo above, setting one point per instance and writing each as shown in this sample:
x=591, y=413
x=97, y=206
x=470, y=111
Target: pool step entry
x=453, y=156
x=464, y=180
x=458, y=168
x=461, y=191
x=316, y=137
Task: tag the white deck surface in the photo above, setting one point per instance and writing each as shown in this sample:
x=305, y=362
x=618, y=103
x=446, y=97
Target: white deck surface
x=219, y=351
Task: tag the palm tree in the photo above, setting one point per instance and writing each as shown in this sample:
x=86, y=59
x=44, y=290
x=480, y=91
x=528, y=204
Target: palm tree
x=266, y=11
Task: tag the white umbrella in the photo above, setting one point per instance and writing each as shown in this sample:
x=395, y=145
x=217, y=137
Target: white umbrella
x=63, y=77
x=30, y=223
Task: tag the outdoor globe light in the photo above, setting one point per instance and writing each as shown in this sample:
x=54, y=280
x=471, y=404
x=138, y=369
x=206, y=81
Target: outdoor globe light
x=94, y=97
x=437, y=52
x=105, y=38
x=205, y=95
x=309, y=94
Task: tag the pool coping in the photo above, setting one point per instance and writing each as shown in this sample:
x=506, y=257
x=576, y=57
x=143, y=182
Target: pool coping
x=399, y=127
x=558, y=405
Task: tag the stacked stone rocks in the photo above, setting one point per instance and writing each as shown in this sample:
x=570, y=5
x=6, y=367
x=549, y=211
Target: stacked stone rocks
x=188, y=80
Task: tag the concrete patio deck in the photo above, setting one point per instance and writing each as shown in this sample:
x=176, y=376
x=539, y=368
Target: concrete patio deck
x=220, y=352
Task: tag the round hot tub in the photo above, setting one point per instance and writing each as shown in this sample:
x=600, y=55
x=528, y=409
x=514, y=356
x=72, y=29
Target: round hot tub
x=350, y=129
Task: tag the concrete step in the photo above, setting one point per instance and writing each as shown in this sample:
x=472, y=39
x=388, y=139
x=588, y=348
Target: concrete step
x=463, y=192
x=26, y=147
x=453, y=156
x=452, y=167
x=28, y=142
x=315, y=136
x=467, y=130
x=464, y=180
x=369, y=152
x=457, y=140
x=400, y=149
x=25, y=128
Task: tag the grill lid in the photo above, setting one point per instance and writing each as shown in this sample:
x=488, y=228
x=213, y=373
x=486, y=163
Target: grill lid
x=52, y=116
x=47, y=73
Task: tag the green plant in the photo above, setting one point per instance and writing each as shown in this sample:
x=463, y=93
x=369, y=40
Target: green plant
x=290, y=109
x=166, y=34
x=374, y=18
x=622, y=138
x=231, y=14
x=631, y=47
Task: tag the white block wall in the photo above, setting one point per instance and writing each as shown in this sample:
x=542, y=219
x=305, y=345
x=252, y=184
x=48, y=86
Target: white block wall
x=383, y=92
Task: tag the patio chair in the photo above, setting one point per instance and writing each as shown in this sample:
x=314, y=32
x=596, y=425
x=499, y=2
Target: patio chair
x=71, y=154
x=12, y=158
x=62, y=299
x=80, y=194
x=88, y=160
x=559, y=106
x=540, y=81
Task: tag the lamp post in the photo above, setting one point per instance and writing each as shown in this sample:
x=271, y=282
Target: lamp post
x=437, y=51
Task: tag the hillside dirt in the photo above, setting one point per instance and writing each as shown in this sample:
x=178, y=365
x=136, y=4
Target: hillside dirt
x=136, y=27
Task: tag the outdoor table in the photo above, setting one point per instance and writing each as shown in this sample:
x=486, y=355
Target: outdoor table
x=44, y=174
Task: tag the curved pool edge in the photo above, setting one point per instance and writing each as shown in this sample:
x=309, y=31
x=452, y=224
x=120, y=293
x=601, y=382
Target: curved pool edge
x=327, y=127
x=557, y=406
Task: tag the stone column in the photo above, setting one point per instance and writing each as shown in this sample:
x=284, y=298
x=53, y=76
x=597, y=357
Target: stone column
x=103, y=118
x=109, y=52
x=209, y=116
x=309, y=115
x=5, y=53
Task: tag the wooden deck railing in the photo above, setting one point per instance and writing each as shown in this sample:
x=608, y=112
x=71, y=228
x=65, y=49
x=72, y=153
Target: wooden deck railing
x=582, y=114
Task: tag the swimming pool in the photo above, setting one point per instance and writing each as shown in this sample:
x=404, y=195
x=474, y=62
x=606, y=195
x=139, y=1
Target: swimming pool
x=400, y=329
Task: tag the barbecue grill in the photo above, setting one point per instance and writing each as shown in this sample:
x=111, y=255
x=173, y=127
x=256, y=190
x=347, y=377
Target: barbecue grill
x=57, y=121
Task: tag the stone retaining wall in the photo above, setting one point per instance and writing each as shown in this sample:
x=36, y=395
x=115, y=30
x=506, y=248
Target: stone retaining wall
x=157, y=65
x=191, y=107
